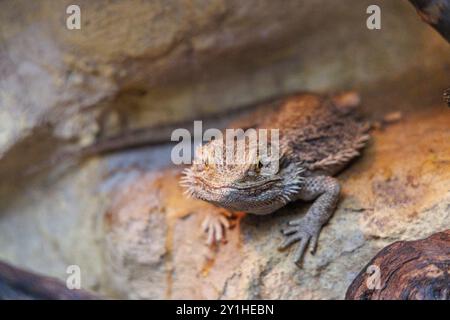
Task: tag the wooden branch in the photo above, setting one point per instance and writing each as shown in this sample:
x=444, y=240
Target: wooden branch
x=436, y=13
x=16, y=283
x=407, y=270
x=447, y=96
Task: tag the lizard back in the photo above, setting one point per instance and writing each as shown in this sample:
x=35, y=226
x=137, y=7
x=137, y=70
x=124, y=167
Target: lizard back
x=324, y=133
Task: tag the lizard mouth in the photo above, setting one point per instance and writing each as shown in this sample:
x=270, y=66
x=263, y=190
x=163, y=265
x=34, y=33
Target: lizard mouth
x=199, y=187
x=262, y=184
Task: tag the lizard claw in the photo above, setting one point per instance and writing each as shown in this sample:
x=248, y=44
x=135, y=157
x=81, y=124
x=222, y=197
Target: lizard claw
x=214, y=225
x=303, y=231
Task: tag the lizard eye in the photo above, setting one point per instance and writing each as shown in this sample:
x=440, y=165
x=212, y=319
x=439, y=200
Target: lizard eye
x=255, y=169
x=209, y=161
x=259, y=165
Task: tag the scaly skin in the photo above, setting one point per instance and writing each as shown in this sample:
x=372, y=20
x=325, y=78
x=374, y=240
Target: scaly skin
x=446, y=97
x=318, y=137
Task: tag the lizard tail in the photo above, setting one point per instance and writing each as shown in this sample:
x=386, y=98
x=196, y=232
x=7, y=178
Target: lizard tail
x=346, y=101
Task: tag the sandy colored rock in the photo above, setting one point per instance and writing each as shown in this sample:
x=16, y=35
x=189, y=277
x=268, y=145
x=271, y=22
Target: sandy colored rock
x=146, y=249
x=384, y=199
x=123, y=219
x=138, y=237
x=176, y=60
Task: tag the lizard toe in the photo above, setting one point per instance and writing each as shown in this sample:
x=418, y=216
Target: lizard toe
x=289, y=241
x=214, y=225
x=300, y=250
x=289, y=230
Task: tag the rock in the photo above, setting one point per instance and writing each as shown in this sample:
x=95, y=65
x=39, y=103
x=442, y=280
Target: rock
x=147, y=249
x=174, y=61
x=407, y=270
x=124, y=220
x=380, y=191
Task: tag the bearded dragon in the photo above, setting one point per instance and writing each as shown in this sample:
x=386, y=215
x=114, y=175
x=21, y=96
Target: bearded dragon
x=318, y=136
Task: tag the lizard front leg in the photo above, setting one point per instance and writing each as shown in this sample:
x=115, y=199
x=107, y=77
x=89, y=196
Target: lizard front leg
x=215, y=224
x=325, y=190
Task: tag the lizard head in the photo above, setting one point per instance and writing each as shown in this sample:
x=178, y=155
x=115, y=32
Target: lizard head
x=243, y=180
